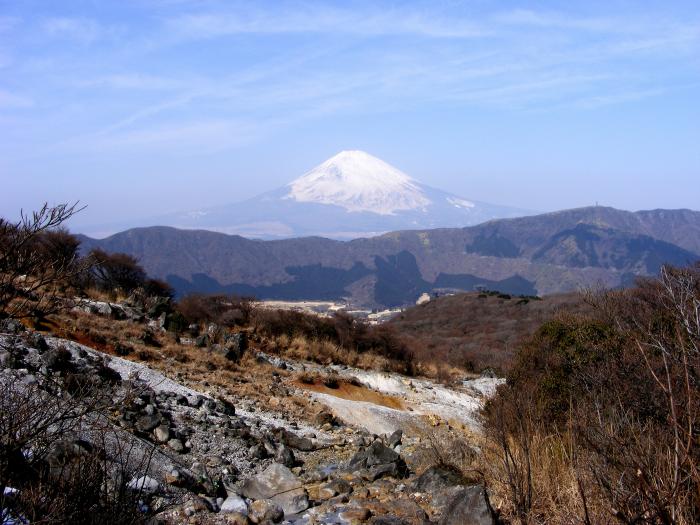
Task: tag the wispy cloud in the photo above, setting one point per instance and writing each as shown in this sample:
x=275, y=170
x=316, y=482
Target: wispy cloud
x=7, y=23
x=131, y=81
x=549, y=19
x=210, y=63
x=598, y=101
x=84, y=30
x=13, y=101
x=320, y=19
x=196, y=137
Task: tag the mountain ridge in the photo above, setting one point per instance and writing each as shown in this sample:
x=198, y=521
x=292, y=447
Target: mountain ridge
x=549, y=253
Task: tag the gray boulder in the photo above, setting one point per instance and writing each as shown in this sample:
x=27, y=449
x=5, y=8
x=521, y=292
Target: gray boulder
x=160, y=307
x=376, y=454
x=294, y=441
x=162, y=433
x=279, y=485
x=235, y=346
x=96, y=307
x=176, y=445
x=265, y=511
x=130, y=313
x=395, y=438
x=148, y=422
x=11, y=326
x=377, y=461
x=442, y=484
x=469, y=506
x=285, y=456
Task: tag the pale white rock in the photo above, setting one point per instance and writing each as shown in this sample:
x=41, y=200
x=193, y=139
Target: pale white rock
x=424, y=298
x=145, y=484
x=234, y=503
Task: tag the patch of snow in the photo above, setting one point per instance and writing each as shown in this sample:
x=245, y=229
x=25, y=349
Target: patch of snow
x=460, y=203
x=359, y=182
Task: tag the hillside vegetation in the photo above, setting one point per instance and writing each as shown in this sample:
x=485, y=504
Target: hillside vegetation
x=478, y=330
x=600, y=416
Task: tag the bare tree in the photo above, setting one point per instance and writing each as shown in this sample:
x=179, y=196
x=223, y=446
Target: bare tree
x=117, y=271
x=657, y=458
x=33, y=262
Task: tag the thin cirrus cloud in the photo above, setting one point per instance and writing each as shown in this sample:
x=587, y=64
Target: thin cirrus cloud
x=131, y=81
x=311, y=19
x=208, y=136
x=83, y=30
x=190, y=78
x=13, y=101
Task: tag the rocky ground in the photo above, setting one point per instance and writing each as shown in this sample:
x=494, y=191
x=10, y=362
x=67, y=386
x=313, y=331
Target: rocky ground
x=302, y=443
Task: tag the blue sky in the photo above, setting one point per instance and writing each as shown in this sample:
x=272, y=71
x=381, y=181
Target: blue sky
x=138, y=107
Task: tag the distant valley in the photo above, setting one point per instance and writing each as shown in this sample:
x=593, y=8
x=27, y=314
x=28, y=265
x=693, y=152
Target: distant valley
x=543, y=254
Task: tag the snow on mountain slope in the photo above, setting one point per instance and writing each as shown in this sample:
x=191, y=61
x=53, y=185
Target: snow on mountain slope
x=359, y=182
x=351, y=195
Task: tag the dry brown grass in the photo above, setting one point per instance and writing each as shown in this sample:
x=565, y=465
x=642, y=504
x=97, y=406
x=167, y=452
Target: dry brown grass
x=107, y=296
x=325, y=352
x=556, y=481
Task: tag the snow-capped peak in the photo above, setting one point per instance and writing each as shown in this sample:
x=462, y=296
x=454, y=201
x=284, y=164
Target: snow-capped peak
x=359, y=182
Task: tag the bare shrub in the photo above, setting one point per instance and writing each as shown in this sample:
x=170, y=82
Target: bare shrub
x=451, y=451
x=116, y=271
x=37, y=261
x=600, y=414
x=226, y=310
x=331, y=380
x=158, y=288
x=337, y=339
x=307, y=378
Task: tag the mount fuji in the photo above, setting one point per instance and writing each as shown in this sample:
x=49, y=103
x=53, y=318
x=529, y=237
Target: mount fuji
x=352, y=194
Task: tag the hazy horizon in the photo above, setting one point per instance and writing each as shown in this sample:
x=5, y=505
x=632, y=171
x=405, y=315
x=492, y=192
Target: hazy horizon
x=139, y=109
